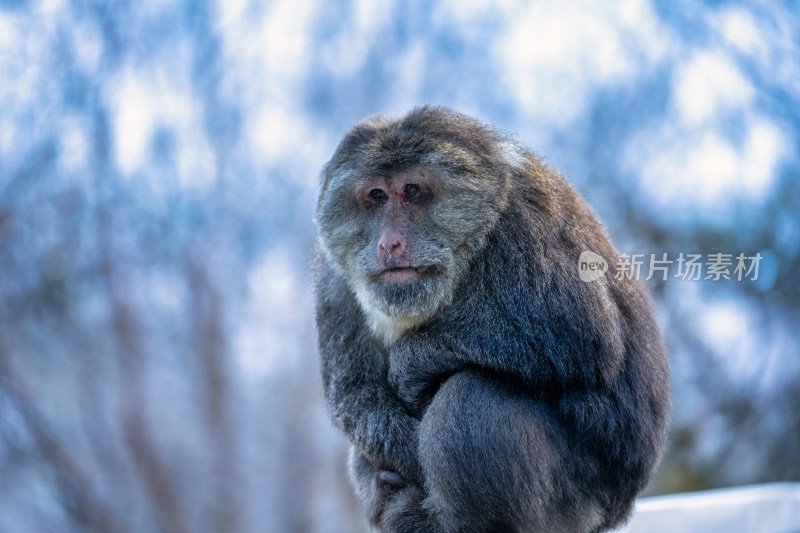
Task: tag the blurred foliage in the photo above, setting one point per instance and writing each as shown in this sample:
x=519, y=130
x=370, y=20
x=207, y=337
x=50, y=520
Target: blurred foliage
x=158, y=167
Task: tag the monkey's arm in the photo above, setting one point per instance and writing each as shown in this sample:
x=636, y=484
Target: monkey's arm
x=422, y=360
x=354, y=376
x=377, y=423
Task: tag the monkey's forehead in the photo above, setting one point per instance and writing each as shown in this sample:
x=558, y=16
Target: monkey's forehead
x=418, y=173
x=444, y=147
x=431, y=157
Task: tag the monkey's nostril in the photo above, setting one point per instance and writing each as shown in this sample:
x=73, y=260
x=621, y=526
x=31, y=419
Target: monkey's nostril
x=394, y=247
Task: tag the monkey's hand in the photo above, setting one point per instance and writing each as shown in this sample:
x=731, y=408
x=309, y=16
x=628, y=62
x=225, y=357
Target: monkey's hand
x=375, y=487
x=399, y=450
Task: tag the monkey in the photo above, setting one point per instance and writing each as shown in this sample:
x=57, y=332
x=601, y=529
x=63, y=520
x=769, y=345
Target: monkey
x=482, y=384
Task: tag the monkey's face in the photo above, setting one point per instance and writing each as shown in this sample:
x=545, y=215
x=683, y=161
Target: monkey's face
x=404, y=207
x=385, y=233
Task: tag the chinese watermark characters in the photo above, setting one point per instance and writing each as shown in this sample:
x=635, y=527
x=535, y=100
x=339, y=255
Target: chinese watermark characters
x=690, y=267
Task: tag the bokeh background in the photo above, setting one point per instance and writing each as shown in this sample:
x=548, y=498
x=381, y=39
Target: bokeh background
x=158, y=177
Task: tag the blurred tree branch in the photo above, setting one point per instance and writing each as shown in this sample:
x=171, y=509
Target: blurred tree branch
x=151, y=468
x=80, y=497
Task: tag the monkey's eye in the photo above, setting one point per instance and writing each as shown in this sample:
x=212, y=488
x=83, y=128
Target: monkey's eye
x=410, y=191
x=379, y=195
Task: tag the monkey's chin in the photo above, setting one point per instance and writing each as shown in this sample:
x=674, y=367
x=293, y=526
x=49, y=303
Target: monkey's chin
x=392, y=307
x=414, y=297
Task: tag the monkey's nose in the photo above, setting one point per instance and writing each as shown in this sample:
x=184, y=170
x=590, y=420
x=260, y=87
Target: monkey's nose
x=391, y=245
x=396, y=246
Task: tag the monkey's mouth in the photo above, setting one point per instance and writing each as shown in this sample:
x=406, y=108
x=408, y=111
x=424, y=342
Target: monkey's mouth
x=402, y=274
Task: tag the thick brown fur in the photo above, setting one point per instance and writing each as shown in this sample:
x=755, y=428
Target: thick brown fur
x=498, y=391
